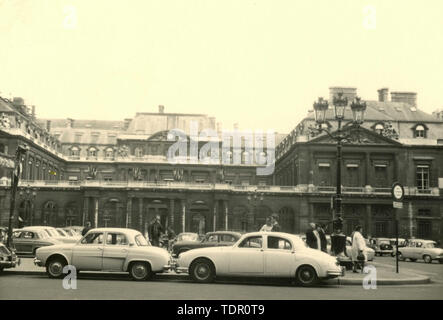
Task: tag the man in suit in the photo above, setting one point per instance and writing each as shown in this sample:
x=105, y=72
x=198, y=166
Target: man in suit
x=311, y=237
x=322, y=236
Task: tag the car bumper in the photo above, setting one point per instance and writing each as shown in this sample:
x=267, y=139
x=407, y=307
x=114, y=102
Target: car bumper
x=38, y=262
x=336, y=272
x=10, y=263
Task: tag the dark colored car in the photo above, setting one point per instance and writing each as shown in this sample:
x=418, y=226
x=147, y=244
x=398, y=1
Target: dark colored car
x=8, y=258
x=211, y=239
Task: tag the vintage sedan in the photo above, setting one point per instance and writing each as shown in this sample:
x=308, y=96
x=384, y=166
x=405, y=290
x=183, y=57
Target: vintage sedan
x=382, y=246
x=421, y=249
x=27, y=241
x=50, y=231
x=261, y=254
x=106, y=249
x=68, y=236
x=8, y=258
x=211, y=239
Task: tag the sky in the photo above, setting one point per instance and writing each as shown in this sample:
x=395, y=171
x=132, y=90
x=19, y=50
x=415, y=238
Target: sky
x=258, y=63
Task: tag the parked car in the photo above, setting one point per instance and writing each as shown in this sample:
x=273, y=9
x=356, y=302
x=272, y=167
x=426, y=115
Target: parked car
x=105, y=249
x=50, y=231
x=68, y=237
x=421, y=249
x=261, y=254
x=27, y=241
x=211, y=239
x=382, y=246
x=401, y=243
x=8, y=258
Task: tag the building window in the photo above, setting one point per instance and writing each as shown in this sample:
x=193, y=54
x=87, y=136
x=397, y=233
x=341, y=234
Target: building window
x=424, y=229
x=138, y=152
x=381, y=229
x=422, y=178
x=352, y=175
x=75, y=152
x=109, y=153
x=381, y=175
x=245, y=157
x=379, y=128
x=420, y=131
x=93, y=152
x=324, y=172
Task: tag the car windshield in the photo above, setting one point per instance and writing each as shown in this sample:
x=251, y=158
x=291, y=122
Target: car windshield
x=430, y=245
x=141, y=241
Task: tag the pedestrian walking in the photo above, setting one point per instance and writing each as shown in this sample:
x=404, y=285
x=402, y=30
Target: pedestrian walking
x=312, y=237
x=268, y=225
x=155, y=231
x=322, y=236
x=275, y=225
x=86, y=228
x=358, y=251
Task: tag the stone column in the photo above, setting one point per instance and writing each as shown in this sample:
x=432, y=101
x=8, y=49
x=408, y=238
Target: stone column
x=140, y=214
x=85, y=210
x=411, y=219
x=95, y=212
x=367, y=169
x=214, y=221
x=226, y=212
x=129, y=212
x=368, y=221
x=171, y=213
x=183, y=203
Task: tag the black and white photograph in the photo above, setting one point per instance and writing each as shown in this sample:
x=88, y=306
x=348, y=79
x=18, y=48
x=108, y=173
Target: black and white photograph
x=221, y=154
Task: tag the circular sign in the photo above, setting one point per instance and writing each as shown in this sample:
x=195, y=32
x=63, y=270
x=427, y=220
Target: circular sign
x=397, y=191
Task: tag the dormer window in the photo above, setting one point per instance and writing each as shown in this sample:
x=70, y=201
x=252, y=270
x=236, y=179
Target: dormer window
x=379, y=128
x=75, y=152
x=138, y=152
x=92, y=152
x=420, y=131
x=109, y=153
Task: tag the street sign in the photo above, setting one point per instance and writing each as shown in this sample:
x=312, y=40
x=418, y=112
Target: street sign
x=397, y=191
x=397, y=204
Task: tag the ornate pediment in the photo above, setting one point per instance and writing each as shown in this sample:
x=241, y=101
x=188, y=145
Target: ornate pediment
x=355, y=136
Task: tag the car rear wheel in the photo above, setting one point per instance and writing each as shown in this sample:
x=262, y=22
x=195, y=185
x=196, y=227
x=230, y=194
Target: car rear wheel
x=140, y=271
x=54, y=268
x=306, y=276
x=427, y=258
x=400, y=257
x=202, y=270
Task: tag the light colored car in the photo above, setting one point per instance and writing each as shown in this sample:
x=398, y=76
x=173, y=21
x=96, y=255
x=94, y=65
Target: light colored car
x=421, y=249
x=105, y=249
x=382, y=246
x=8, y=258
x=68, y=236
x=51, y=232
x=27, y=241
x=261, y=254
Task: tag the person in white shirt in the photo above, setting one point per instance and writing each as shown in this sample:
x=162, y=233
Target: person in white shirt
x=358, y=247
x=268, y=226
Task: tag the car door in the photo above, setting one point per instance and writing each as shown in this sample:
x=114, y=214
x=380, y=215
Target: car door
x=18, y=241
x=27, y=240
x=88, y=253
x=278, y=257
x=417, y=251
x=115, y=251
x=247, y=258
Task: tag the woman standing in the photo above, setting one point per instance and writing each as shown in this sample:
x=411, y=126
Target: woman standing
x=358, y=249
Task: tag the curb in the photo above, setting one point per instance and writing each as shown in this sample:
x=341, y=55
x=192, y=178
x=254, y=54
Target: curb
x=338, y=281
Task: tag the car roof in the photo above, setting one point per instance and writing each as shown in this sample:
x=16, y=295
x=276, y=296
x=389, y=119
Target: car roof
x=271, y=233
x=37, y=227
x=122, y=230
x=233, y=233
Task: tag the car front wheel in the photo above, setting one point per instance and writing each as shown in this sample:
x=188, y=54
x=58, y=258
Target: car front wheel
x=54, y=268
x=427, y=259
x=140, y=271
x=202, y=270
x=306, y=276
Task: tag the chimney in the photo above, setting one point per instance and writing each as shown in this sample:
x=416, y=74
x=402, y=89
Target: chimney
x=161, y=109
x=126, y=123
x=348, y=92
x=70, y=123
x=383, y=94
x=405, y=97
x=48, y=125
x=33, y=112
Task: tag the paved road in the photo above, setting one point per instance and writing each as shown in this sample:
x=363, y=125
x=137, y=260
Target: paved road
x=120, y=287
x=432, y=270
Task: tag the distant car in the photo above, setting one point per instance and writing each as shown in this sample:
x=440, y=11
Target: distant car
x=421, y=249
x=105, y=249
x=211, y=239
x=27, y=241
x=51, y=232
x=382, y=246
x=261, y=254
x=8, y=258
x=68, y=236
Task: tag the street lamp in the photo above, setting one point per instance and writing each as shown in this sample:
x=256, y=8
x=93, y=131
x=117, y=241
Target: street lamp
x=253, y=199
x=28, y=194
x=15, y=176
x=340, y=103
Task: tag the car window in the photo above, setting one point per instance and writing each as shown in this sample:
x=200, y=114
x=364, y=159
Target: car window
x=61, y=232
x=93, y=238
x=212, y=238
x=430, y=245
x=17, y=234
x=28, y=235
x=116, y=239
x=419, y=244
x=227, y=238
x=252, y=242
x=141, y=241
x=278, y=243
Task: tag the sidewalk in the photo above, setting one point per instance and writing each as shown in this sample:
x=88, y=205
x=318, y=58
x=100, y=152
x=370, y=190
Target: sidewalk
x=385, y=275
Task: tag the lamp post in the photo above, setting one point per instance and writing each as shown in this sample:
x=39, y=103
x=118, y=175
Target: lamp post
x=340, y=103
x=254, y=198
x=15, y=176
x=28, y=194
